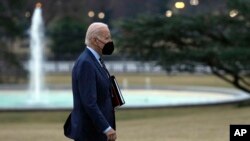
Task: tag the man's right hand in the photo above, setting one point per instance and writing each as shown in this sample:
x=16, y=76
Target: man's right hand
x=111, y=135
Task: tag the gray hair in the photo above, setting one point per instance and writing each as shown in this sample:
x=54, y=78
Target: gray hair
x=93, y=31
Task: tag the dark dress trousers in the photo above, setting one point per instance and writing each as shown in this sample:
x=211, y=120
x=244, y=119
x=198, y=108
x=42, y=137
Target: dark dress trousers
x=92, y=111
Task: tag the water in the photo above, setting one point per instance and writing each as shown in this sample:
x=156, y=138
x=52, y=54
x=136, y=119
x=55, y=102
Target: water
x=139, y=98
x=36, y=49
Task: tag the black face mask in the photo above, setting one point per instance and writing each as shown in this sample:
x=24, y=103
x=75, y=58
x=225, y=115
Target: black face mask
x=108, y=48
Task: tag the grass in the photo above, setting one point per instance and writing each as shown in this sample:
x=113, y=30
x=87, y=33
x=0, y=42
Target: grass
x=185, y=124
x=209, y=123
x=155, y=80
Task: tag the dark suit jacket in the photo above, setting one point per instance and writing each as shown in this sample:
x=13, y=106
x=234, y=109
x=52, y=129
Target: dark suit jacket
x=93, y=111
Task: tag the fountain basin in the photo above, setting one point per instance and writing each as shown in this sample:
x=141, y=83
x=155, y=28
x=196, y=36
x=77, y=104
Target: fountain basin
x=134, y=98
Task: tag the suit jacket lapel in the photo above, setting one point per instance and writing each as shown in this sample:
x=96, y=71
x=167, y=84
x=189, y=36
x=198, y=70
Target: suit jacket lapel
x=97, y=64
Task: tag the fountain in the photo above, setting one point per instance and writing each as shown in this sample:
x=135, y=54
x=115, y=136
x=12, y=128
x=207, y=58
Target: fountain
x=39, y=99
x=36, y=48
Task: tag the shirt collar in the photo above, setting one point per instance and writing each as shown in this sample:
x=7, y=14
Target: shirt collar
x=97, y=56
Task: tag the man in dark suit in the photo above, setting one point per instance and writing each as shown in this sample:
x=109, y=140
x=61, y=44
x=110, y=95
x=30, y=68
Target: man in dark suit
x=92, y=117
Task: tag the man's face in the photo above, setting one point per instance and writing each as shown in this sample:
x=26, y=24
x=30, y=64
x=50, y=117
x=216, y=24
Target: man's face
x=104, y=38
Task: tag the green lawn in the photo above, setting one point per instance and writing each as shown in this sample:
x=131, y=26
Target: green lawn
x=155, y=80
x=209, y=123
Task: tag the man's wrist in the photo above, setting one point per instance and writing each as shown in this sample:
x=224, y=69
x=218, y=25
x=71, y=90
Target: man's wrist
x=106, y=130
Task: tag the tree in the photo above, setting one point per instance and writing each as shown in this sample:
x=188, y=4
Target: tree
x=12, y=18
x=67, y=36
x=13, y=22
x=183, y=42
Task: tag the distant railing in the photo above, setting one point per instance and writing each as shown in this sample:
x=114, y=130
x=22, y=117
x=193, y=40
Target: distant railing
x=117, y=67
x=113, y=66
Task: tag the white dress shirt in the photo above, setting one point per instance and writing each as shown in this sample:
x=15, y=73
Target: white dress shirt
x=97, y=56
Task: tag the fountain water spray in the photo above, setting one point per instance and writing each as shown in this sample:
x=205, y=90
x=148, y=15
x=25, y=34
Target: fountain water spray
x=36, y=47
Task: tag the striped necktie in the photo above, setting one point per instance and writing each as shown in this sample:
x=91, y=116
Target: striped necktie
x=104, y=66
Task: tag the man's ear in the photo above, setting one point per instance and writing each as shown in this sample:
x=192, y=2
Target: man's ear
x=94, y=41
